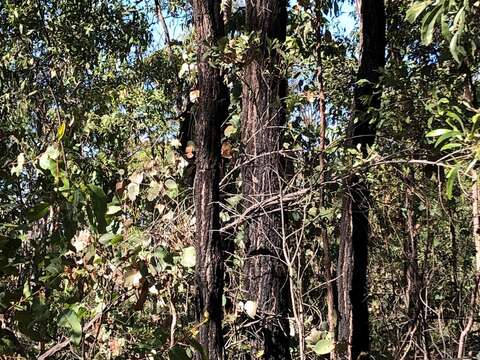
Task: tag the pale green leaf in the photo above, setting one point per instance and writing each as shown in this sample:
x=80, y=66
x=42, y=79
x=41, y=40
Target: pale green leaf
x=438, y=132
x=324, y=346
x=416, y=10
x=188, y=257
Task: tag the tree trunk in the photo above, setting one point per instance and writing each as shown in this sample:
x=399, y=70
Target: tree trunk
x=263, y=118
x=353, y=329
x=327, y=261
x=211, y=112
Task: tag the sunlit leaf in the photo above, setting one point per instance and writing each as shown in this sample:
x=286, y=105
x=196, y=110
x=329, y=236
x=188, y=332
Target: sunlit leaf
x=416, y=10
x=324, y=346
x=188, y=257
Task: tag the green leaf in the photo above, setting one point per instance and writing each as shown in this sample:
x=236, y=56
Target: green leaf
x=451, y=177
x=428, y=24
x=445, y=29
x=170, y=184
x=324, y=346
x=448, y=135
x=234, y=200
x=38, y=211
x=172, y=188
x=455, y=49
x=61, y=131
x=71, y=321
x=113, y=209
x=110, y=239
x=475, y=118
x=153, y=190
x=188, y=257
x=99, y=200
x=230, y=130
x=416, y=9
x=438, y=132
x=451, y=146
x=45, y=162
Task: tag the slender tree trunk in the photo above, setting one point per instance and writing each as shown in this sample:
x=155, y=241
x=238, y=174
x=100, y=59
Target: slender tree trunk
x=414, y=283
x=211, y=112
x=476, y=238
x=263, y=119
x=327, y=262
x=353, y=329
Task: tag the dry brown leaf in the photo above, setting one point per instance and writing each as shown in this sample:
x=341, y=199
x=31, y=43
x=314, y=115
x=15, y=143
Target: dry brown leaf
x=227, y=151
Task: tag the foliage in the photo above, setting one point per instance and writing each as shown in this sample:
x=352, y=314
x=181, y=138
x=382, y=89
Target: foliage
x=96, y=202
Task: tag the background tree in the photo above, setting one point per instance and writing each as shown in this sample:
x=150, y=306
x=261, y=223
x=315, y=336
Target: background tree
x=263, y=118
x=353, y=257
x=211, y=113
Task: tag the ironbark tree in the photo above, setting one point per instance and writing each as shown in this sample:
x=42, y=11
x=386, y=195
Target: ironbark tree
x=263, y=119
x=353, y=329
x=211, y=111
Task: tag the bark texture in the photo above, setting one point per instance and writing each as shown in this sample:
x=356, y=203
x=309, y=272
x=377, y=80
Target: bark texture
x=211, y=112
x=327, y=261
x=263, y=118
x=353, y=329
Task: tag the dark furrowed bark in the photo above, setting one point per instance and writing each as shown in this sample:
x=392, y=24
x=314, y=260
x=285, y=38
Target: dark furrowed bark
x=353, y=329
x=211, y=112
x=263, y=119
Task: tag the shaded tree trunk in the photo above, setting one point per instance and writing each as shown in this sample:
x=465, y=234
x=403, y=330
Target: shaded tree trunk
x=211, y=112
x=353, y=329
x=263, y=118
x=327, y=261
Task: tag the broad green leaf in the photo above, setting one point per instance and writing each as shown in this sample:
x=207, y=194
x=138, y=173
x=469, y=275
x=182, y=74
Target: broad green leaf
x=52, y=152
x=428, y=24
x=110, y=239
x=324, y=346
x=416, y=10
x=38, y=211
x=27, y=292
x=71, y=321
x=188, y=257
x=438, y=132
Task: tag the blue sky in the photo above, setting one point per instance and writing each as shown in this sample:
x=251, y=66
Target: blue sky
x=344, y=24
